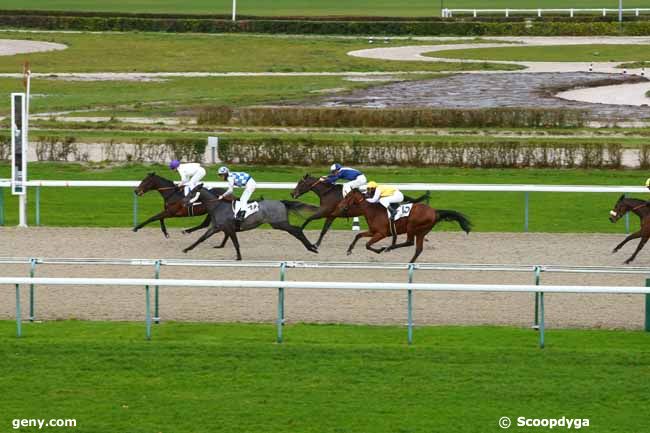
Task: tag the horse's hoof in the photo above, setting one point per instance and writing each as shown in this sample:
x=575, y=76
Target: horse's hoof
x=313, y=250
x=349, y=252
x=614, y=251
x=184, y=232
x=185, y=250
x=135, y=230
x=166, y=235
x=386, y=249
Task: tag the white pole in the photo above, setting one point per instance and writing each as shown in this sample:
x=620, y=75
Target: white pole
x=620, y=11
x=22, y=199
x=234, y=10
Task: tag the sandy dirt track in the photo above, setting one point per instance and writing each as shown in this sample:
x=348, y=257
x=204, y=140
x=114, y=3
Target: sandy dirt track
x=256, y=305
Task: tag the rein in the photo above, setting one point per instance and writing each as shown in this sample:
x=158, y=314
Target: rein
x=639, y=206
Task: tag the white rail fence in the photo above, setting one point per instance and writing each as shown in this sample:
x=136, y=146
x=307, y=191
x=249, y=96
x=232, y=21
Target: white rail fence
x=282, y=284
x=571, y=12
x=526, y=189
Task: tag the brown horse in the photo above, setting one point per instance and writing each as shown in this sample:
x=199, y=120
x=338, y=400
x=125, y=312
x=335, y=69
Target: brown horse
x=416, y=226
x=174, y=207
x=641, y=209
x=330, y=196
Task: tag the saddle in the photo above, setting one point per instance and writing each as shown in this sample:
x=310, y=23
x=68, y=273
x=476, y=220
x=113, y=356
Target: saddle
x=251, y=208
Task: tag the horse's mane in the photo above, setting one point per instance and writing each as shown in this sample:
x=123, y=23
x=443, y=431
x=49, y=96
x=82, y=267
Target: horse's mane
x=634, y=200
x=162, y=179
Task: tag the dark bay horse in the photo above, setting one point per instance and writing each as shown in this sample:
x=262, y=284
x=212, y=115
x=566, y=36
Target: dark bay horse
x=416, y=226
x=641, y=209
x=330, y=196
x=273, y=212
x=173, y=202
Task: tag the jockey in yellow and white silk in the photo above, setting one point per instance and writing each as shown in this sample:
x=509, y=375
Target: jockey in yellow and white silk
x=191, y=174
x=384, y=194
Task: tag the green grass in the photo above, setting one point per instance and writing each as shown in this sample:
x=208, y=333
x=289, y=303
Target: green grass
x=303, y=7
x=566, y=53
x=161, y=52
x=235, y=378
x=169, y=97
x=491, y=212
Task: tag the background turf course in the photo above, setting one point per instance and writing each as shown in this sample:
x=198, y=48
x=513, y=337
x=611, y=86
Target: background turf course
x=490, y=212
x=306, y=7
x=235, y=378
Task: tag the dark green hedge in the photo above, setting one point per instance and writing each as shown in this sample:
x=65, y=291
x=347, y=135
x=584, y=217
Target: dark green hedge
x=376, y=27
x=392, y=117
x=499, y=154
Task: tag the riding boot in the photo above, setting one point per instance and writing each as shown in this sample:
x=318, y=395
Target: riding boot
x=392, y=209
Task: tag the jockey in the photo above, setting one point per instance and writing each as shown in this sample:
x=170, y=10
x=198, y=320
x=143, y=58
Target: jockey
x=386, y=195
x=191, y=175
x=238, y=179
x=355, y=177
x=647, y=183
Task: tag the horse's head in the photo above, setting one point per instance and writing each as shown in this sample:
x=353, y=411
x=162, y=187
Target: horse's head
x=147, y=184
x=620, y=208
x=187, y=200
x=352, y=200
x=304, y=185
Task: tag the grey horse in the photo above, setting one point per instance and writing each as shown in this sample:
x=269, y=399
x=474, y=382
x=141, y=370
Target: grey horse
x=273, y=212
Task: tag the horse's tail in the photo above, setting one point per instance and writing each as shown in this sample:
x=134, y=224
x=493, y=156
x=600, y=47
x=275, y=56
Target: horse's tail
x=452, y=215
x=298, y=207
x=423, y=197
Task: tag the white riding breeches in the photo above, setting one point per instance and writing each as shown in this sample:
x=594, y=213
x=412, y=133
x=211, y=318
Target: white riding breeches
x=397, y=197
x=194, y=180
x=356, y=183
x=246, y=195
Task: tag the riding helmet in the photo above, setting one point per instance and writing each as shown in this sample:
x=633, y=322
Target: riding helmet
x=647, y=182
x=222, y=170
x=174, y=164
x=335, y=167
x=372, y=184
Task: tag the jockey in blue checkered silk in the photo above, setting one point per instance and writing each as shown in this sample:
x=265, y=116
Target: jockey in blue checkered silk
x=355, y=177
x=238, y=179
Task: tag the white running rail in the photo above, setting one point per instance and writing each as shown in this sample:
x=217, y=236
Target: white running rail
x=571, y=12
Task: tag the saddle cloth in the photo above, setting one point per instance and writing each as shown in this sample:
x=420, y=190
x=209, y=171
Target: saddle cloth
x=251, y=208
x=402, y=211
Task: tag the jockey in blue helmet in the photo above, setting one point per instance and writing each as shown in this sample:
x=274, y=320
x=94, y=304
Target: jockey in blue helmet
x=355, y=177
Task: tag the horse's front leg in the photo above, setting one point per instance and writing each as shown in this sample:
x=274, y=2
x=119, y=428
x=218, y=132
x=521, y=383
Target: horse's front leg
x=319, y=214
x=638, y=248
x=205, y=223
x=223, y=243
x=204, y=236
x=326, y=227
x=626, y=240
x=375, y=238
x=163, y=227
x=159, y=216
x=360, y=235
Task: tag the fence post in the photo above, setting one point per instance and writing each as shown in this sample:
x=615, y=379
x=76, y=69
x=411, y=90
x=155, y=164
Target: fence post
x=2, y=206
x=526, y=199
x=647, y=307
x=541, y=320
x=410, y=304
x=32, y=270
x=280, y=320
x=135, y=210
x=148, y=311
x=19, y=332
x=538, y=272
x=38, y=205
x=156, y=315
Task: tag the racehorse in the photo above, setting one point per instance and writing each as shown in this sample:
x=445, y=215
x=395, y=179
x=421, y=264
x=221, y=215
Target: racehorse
x=173, y=197
x=330, y=196
x=273, y=212
x=416, y=225
x=641, y=209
